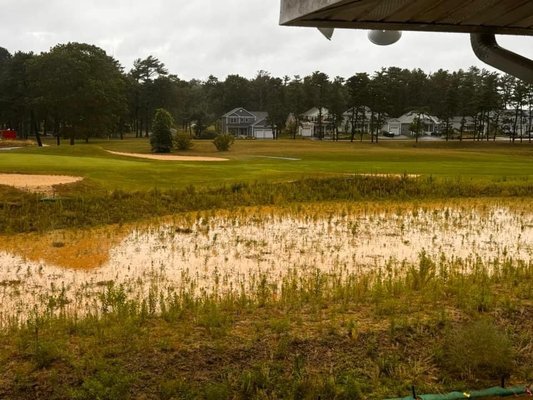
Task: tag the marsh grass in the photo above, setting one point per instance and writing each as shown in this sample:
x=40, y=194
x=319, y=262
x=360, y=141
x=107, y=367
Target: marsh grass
x=307, y=334
x=321, y=335
x=264, y=250
x=25, y=212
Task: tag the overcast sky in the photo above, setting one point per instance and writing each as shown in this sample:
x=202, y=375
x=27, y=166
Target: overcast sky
x=197, y=38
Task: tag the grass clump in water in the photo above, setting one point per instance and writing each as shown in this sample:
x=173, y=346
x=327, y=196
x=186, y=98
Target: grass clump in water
x=24, y=212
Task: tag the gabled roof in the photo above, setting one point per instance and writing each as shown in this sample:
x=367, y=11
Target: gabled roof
x=260, y=116
x=240, y=112
x=410, y=116
x=313, y=112
x=348, y=113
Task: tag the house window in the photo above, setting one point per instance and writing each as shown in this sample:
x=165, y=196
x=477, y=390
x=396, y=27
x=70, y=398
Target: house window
x=233, y=120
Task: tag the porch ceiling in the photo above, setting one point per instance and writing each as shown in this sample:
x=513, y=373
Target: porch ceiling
x=483, y=16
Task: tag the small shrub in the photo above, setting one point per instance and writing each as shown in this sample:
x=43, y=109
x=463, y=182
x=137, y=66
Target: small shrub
x=217, y=391
x=280, y=326
x=423, y=273
x=183, y=141
x=176, y=389
x=478, y=350
x=255, y=381
x=214, y=321
x=351, y=389
x=46, y=353
x=109, y=384
x=223, y=142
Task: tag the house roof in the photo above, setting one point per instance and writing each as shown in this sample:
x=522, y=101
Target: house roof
x=240, y=111
x=261, y=118
x=409, y=117
x=259, y=115
x=313, y=112
x=348, y=113
x=459, y=118
x=489, y=16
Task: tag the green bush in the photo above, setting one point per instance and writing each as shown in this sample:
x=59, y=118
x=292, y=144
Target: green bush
x=183, y=141
x=46, y=353
x=216, y=391
x=176, y=389
x=161, y=139
x=223, y=142
x=479, y=350
x=111, y=383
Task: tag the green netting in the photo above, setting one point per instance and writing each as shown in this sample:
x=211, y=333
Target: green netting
x=476, y=394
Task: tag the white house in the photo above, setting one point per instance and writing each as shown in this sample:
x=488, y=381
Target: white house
x=310, y=126
x=364, y=114
x=520, y=123
x=457, y=121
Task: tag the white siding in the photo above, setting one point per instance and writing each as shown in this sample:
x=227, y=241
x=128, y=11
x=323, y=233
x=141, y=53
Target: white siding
x=264, y=134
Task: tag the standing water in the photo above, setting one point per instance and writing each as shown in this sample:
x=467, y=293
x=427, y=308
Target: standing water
x=216, y=253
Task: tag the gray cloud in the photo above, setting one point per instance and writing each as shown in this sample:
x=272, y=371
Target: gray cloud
x=220, y=37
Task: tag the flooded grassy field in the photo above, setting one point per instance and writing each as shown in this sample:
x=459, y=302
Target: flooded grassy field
x=253, y=250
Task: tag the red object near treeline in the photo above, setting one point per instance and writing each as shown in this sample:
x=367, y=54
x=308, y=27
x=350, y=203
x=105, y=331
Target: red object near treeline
x=8, y=134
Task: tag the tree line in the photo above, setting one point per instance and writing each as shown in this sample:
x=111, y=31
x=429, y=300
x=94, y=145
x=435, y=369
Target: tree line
x=77, y=91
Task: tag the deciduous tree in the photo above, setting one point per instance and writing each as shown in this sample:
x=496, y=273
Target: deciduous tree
x=82, y=87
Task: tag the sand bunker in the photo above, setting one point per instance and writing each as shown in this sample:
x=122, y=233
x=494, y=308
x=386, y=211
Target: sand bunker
x=37, y=183
x=411, y=176
x=165, y=157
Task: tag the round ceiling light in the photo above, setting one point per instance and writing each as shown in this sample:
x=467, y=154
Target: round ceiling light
x=384, y=38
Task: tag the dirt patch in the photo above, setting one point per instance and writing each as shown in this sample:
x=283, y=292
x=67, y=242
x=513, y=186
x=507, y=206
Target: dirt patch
x=165, y=157
x=37, y=183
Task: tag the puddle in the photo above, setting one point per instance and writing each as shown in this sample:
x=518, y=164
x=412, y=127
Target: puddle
x=233, y=252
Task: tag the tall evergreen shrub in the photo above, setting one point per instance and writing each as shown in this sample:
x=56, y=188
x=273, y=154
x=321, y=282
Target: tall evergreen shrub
x=161, y=139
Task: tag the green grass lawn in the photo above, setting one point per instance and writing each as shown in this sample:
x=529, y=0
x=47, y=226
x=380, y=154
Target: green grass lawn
x=255, y=161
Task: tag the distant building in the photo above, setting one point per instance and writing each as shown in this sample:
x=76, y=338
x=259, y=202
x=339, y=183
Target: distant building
x=507, y=121
x=364, y=115
x=429, y=124
x=310, y=126
x=247, y=124
x=468, y=123
x=518, y=122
